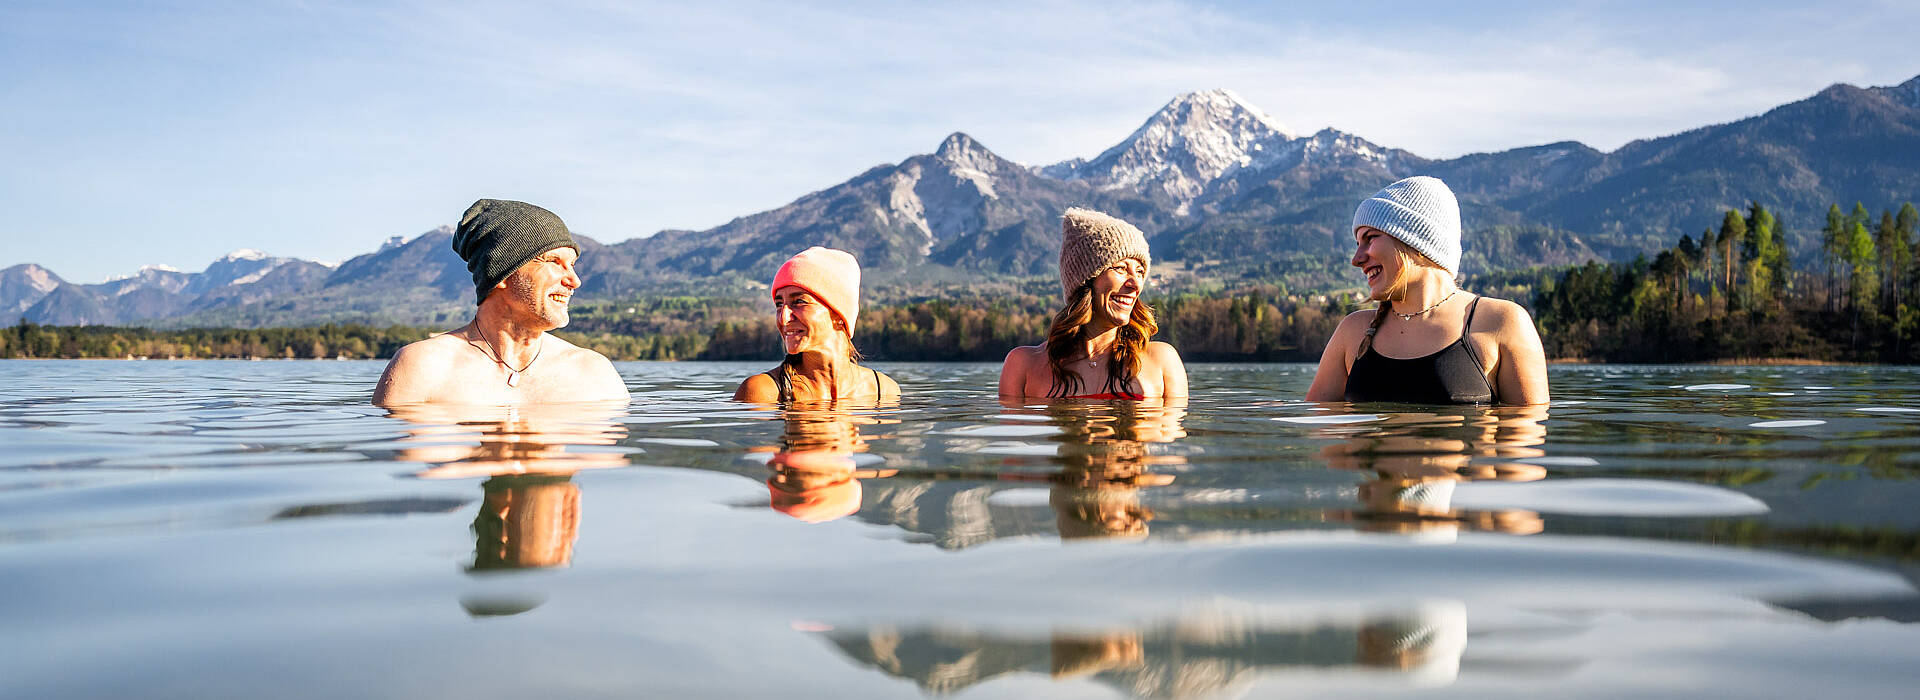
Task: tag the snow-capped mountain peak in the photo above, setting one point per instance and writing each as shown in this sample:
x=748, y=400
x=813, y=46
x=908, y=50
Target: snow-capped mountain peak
x=1192, y=141
x=244, y=254
x=1229, y=105
x=964, y=153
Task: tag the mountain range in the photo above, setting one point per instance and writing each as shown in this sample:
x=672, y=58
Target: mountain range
x=1216, y=182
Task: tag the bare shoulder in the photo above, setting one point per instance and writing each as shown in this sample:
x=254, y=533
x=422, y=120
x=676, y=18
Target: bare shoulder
x=1019, y=368
x=1500, y=315
x=416, y=370
x=1356, y=322
x=430, y=355
x=889, y=388
x=569, y=353
x=1027, y=352
x=1351, y=328
x=1025, y=356
x=1162, y=351
x=760, y=388
x=590, y=366
x=434, y=348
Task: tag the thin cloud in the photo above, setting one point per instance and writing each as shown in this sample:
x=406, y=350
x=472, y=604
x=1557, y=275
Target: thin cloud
x=175, y=134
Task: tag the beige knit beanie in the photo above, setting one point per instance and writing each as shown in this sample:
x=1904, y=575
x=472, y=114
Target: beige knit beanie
x=832, y=276
x=1091, y=242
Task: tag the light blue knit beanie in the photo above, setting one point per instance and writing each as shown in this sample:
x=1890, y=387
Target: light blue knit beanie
x=1422, y=213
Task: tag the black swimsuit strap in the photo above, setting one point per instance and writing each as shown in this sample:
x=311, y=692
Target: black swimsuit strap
x=1467, y=328
x=779, y=376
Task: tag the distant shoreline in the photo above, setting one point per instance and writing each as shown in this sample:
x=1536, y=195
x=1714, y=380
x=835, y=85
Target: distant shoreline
x=1732, y=362
x=1725, y=362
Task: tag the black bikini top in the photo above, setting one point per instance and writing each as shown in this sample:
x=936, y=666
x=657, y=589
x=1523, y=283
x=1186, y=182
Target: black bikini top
x=1453, y=375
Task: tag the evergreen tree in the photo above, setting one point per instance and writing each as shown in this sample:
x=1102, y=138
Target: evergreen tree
x=1687, y=256
x=1706, y=265
x=1894, y=260
x=1767, y=253
x=1733, y=235
x=1863, y=285
x=1904, y=224
x=1833, y=238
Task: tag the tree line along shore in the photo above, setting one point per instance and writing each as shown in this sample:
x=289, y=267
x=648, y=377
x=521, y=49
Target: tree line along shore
x=1733, y=292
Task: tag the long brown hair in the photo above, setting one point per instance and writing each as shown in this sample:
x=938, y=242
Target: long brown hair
x=1066, y=338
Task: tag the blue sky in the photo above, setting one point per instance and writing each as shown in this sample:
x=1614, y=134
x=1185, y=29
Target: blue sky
x=172, y=133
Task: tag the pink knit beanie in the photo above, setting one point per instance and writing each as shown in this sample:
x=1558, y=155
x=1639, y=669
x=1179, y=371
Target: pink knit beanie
x=1091, y=242
x=832, y=276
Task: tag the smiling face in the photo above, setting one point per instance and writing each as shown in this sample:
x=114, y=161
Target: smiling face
x=805, y=323
x=1382, y=259
x=541, y=289
x=1116, y=291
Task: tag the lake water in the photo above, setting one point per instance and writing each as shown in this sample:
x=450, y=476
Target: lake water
x=254, y=529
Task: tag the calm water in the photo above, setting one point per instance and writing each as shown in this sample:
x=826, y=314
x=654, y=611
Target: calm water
x=253, y=529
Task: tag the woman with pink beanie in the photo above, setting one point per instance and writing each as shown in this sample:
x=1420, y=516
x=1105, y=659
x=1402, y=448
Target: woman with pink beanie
x=816, y=299
x=1101, y=344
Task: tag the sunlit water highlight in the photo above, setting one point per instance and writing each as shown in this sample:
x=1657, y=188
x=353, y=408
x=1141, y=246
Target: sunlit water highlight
x=248, y=529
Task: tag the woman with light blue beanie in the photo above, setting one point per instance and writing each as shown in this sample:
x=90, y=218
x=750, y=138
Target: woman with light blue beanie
x=1427, y=341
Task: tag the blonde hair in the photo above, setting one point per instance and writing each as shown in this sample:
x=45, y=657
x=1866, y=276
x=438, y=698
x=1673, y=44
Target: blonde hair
x=1409, y=259
x=1397, y=289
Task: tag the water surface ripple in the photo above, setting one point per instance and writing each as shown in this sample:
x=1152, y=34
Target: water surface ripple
x=244, y=529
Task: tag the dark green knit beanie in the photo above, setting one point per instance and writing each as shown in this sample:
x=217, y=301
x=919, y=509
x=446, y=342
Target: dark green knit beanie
x=497, y=236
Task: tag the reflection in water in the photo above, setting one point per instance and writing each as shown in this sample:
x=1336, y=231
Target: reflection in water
x=526, y=521
x=135, y=496
x=1094, y=469
x=1415, y=461
x=1202, y=654
x=529, y=512
x=1105, y=464
x=815, y=474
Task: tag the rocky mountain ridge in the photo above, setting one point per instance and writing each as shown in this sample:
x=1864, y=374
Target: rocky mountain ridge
x=1213, y=180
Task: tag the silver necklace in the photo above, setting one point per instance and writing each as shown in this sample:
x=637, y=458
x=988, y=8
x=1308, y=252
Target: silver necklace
x=513, y=375
x=1425, y=311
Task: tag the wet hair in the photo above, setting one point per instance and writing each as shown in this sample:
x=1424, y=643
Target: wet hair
x=1066, y=338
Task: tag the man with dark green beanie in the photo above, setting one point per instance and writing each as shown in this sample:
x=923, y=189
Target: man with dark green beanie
x=522, y=259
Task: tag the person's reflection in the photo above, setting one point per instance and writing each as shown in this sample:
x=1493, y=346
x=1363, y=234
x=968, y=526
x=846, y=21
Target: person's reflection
x=1105, y=463
x=1415, y=461
x=526, y=521
x=529, y=514
x=1070, y=655
x=815, y=470
x=1200, y=653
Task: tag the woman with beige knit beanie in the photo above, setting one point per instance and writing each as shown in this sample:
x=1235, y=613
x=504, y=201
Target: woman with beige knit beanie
x=1100, y=346
x=1427, y=342
x=816, y=299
